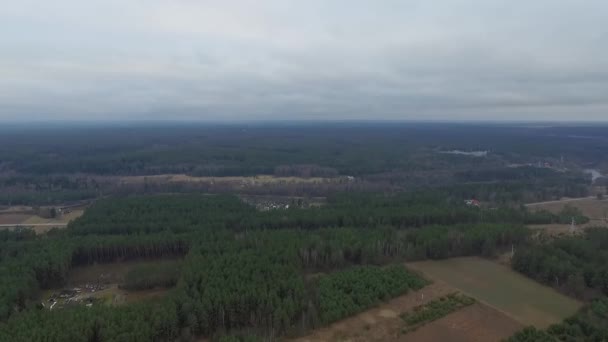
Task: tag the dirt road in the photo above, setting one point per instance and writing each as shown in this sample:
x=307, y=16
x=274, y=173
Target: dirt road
x=565, y=200
x=11, y=225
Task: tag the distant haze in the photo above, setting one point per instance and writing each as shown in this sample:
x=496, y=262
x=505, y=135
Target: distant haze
x=303, y=60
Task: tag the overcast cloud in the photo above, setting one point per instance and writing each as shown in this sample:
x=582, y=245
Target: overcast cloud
x=307, y=59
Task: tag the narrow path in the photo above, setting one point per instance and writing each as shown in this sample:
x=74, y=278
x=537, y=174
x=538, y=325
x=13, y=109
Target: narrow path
x=58, y=224
x=566, y=200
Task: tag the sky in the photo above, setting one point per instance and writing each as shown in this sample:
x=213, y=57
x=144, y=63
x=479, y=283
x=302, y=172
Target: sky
x=304, y=60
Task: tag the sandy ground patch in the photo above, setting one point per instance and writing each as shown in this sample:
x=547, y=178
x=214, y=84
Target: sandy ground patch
x=39, y=224
x=34, y=219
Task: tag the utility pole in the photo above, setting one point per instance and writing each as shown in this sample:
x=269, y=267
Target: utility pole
x=573, y=226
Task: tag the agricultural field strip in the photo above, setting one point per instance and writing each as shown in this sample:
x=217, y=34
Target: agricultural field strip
x=383, y=319
x=589, y=206
x=565, y=200
x=499, y=287
x=434, y=310
x=475, y=323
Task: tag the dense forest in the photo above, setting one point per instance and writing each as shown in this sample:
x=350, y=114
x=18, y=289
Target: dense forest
x=240, y=149
x=185, y=213
x=57, y=165
x=255, y=280
x=344, y=293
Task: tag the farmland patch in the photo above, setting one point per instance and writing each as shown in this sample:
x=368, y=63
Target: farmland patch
x=381, y=323
x=523, y=299
x=596, y=210
x=475, y=323
x=435, y=310
x=11, y=218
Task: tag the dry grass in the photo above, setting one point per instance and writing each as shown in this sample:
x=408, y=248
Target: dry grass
x=596, y=210
x=593, y=208
x=13, y=218
x=34, y=219
x=557, y=229
x=250, y=180
x=475, y=323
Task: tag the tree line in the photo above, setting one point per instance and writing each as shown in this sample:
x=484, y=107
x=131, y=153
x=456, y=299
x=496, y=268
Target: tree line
x=186, y=213
x=577, y=265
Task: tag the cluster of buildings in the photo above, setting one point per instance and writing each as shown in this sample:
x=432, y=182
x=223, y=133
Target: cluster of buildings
x=472, y=203
x=73, y=296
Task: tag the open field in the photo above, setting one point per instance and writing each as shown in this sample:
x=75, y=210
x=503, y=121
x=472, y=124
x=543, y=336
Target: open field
x=60, y=219
x=558, y=229
x=596, y=210
x=381, y=323
x=500, y=287
x=39, y=224
x=10, y=218
x=475, y=323
x=39, y=228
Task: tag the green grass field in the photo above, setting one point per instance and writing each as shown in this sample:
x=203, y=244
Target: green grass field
x=525, y=300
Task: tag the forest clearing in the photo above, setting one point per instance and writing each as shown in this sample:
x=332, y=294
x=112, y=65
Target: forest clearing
x=38, y=215
x=65, y=218
x=39, y=224
x=500, y=287
x=113, y=283
x=596, y=210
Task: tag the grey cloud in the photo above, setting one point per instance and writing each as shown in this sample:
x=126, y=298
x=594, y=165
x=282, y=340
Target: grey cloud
x=186, y=59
